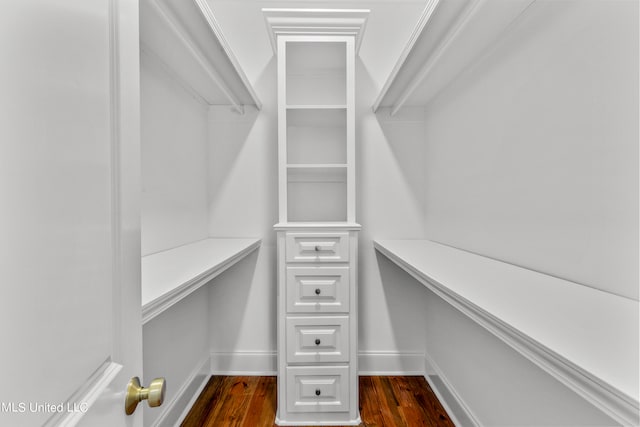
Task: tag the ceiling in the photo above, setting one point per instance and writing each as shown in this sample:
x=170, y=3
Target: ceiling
x=388, y=29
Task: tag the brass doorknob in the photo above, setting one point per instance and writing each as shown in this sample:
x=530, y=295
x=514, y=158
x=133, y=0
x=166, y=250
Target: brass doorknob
x=154, y=394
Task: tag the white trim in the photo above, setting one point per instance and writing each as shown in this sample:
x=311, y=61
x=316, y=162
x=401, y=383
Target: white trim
x=465, y=17
x=86, y=395
x=425, y=17
x=489, y=22
x=316, y=22
x=175, y=412
x=285, y=226
x=254, y=363
x=430, y=365
x=355, y=422
x=613, y=402
x=250, y=363
x=217, y=32
x=390, y=363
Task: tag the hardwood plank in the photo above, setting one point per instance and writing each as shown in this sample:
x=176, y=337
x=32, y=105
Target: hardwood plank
x=260, y=403
x=409, y=408
x=369, y=404
x=234, y=405
x=251, y=402
x=388, y=402
x=428, y=401
x=205, y=403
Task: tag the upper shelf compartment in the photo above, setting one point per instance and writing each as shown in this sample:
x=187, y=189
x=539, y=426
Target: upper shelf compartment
x=184, y=37
x=449, y=37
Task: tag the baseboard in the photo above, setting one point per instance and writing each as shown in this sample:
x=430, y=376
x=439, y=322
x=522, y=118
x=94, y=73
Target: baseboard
x=265, y=363
x=458, y=411
x=252, y=363
x=176, y=410
x=390, y=363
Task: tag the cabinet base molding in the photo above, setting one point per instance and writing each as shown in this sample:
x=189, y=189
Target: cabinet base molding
x=355, y=422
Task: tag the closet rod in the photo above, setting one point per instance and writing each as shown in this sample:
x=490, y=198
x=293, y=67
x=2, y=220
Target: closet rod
x=197, y=54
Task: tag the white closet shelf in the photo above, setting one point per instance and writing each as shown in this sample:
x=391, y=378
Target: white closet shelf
x=317, y=107
x=583, y=337
x=319, y=225
x=171, y=275
x=316, y=166
x=185, y=38
x=449, y=37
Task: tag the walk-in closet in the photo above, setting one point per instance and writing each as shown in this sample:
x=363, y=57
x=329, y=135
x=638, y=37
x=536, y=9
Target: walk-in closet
x=320, y=213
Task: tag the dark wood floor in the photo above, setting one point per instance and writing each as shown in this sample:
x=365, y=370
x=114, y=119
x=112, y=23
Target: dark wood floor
x=251, y=402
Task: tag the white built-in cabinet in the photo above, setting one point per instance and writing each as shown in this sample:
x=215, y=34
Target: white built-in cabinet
x=317, y=233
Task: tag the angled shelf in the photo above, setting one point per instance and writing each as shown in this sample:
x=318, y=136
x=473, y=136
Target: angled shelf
x=587, y=338
x=184, y=38
x=171, y=275
x=449, y=37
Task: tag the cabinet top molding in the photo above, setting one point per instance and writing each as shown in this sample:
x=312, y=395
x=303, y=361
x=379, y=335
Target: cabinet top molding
x=321, y=22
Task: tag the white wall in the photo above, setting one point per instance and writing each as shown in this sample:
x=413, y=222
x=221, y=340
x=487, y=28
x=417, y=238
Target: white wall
x=243, y=202
x=174, y=161
x=532, y=156
x=390, y=204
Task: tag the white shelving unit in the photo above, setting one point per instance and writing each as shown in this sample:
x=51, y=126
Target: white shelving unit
x=184, y=38
x=317, y=232
x=186, y=67
x=185, y=41
x=449, y=38
x=171, y=275
x=587, y=338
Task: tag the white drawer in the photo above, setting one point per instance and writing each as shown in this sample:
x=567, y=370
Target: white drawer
x=317, y=339
x=318, y=289
x=318, y=389
x=317, y=247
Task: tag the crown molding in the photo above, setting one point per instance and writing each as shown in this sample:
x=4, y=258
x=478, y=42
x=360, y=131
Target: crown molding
x=321, y=22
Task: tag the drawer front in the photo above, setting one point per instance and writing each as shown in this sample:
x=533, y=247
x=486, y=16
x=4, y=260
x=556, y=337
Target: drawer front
x=318, y=389
x=318, y=289
x=317, y=247
x=317, y=339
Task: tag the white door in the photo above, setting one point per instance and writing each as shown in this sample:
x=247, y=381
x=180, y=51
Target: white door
x=69, y=216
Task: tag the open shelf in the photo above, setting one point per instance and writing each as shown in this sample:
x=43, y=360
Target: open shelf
x=316, y=107
x=315, y=200
x=316, y=73
x=316, y=136
x=185, y=38
x=317, y=173
x=586, y=338
x=171, y=275
x=449, y=38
